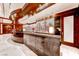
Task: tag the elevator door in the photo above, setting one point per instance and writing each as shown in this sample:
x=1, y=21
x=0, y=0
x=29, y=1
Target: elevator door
x=76, y=31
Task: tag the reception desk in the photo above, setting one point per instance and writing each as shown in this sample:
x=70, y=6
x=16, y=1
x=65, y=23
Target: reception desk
x=18, y=37
x=43, y=44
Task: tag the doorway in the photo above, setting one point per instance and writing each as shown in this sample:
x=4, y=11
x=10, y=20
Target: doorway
x=68, y=29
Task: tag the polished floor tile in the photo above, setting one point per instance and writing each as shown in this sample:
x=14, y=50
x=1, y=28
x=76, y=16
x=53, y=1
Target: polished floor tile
x=69, y=51
x=10, y=48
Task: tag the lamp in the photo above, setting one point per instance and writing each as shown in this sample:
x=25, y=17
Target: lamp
x=51, y=29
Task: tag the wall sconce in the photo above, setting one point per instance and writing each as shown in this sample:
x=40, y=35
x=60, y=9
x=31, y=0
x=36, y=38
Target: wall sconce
x=24, y=29
x=51, y=29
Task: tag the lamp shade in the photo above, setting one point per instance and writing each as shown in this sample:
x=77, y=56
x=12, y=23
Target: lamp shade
x=51, y=29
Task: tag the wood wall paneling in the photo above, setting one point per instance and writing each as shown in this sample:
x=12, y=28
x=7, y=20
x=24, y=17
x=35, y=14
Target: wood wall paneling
x=7, y=28
x=76, y=25
x=76, y=31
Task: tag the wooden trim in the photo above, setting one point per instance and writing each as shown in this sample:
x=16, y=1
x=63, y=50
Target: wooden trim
x=67, y=12
x=62, y=40
x=62, y=29
x=68, y=43
x=4, y=18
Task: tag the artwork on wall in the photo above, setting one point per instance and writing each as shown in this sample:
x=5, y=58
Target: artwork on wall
x=44, y=25
x=33, y=27
x=38, y=26
x=41, y=26
x=49, y=23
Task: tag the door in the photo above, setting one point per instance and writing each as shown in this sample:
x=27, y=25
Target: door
x=67, y=30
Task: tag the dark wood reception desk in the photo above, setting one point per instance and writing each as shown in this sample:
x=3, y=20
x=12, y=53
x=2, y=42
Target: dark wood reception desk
x=18, y=37
x=43, y=44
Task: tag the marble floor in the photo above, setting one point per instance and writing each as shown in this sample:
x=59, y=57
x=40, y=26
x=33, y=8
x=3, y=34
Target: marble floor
x=10, y=48
x=69, y=51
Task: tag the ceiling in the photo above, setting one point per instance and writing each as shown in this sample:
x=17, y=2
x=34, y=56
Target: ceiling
x=52, y=10
x=27, y=9
x=7, y=8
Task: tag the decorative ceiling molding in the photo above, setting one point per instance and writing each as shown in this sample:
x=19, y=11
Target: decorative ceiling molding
x=4, y=18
